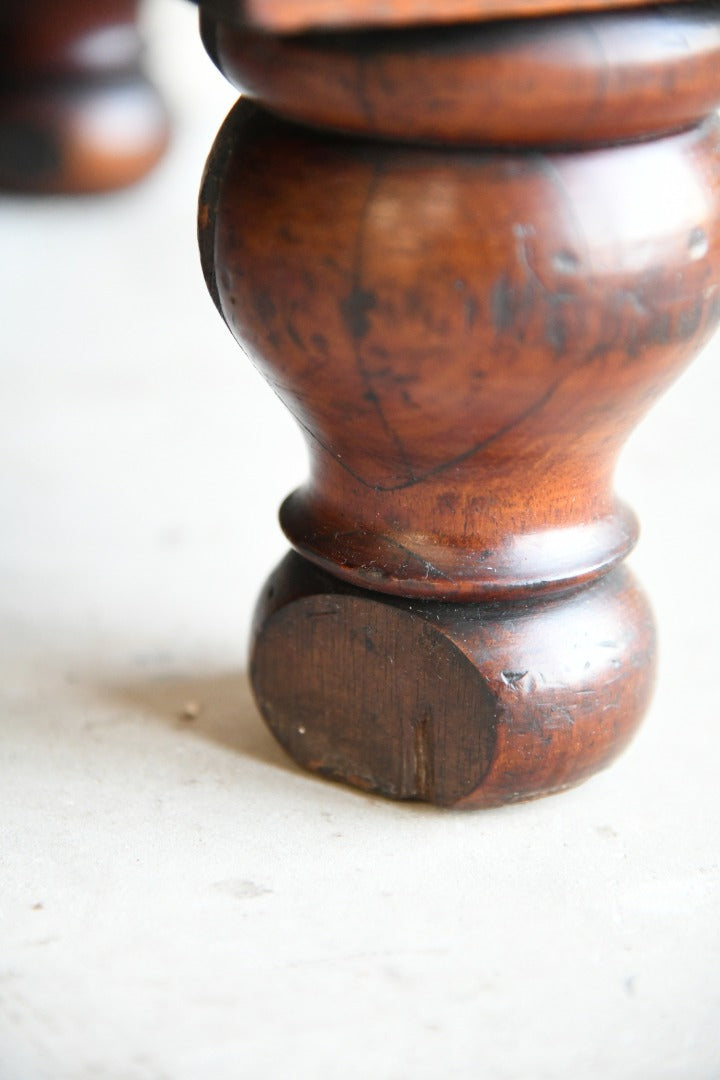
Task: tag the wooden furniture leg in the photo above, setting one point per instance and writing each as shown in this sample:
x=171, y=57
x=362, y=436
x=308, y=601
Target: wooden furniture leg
x=77, y=113
x=468, y=258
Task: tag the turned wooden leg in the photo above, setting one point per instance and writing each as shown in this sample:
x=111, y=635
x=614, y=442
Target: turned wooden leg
x=77, y=113
x=468, y=259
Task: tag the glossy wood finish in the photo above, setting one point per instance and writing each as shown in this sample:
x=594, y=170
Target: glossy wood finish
x=570, y=81
x=77, y=113
x=467, y=310
x=464, y=413
x=289, y=16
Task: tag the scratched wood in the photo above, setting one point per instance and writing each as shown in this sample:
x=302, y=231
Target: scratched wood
x=467, y=299
x=467, y=707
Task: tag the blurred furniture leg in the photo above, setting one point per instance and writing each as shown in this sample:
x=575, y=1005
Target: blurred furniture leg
x=77, y=112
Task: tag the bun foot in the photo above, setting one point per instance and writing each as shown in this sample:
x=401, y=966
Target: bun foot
x=471, y=705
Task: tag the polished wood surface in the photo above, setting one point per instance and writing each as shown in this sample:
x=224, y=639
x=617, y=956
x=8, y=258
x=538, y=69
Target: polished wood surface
x=467, y=312
x=560, y=82
x=77, y=113
x=467, y=339
x=293, y=15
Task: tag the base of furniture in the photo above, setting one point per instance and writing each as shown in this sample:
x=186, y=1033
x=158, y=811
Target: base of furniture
x=468, y=259
x=465, y=705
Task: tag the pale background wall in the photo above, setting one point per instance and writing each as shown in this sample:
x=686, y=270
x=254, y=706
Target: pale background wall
x=176, y=900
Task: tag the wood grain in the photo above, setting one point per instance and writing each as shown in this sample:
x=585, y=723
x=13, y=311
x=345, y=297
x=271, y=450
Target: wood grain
x=468, y=260
x=458, y=705
x=466, y=339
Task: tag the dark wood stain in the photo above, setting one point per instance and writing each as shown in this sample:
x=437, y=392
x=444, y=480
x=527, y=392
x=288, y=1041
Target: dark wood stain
x=452, y=253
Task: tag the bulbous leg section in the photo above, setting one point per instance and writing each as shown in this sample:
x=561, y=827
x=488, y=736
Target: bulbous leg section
x=471, y=705
x=465, y=377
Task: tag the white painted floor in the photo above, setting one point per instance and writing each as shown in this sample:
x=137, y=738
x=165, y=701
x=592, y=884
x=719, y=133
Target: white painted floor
x=177, y=901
